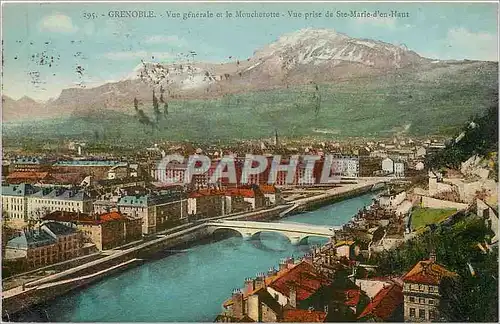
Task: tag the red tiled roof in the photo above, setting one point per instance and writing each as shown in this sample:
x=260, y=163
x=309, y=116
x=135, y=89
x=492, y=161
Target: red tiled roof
x=27, y=175
x=427, y=272
x=306, y=279
x=267, y=189
x=111, y=216
x=352, y=297
x=65, y=216
x=303, y=315
x=206, y=193
x=268, y=280
x=73, y=178
x=384, y=303
x=247, y=193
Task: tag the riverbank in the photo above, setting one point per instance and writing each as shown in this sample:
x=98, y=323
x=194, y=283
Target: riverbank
x=37, y=291
x=15, y=300
x=186, y=283
x=334, y=195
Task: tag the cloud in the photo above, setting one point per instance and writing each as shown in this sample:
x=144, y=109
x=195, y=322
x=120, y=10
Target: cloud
x=173, y=40
x=88, y=28
x=385, y=22
x=133, y=55
x=473, y=45
x=58, y=23
x=460, y=43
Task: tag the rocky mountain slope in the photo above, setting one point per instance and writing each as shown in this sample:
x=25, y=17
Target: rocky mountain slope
x=22, y=108
x=302, y=57
x=308, y=83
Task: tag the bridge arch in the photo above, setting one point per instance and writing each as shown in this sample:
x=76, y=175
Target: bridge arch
x=305, y=238
x=220, y=230
x=296, y=233
x=280, y=233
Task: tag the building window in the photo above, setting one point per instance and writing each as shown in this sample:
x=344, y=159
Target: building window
x=431, y=301
x=421, y=313
x=432, y=315
x=412, y=299
x=412, y=312
x=421, y=300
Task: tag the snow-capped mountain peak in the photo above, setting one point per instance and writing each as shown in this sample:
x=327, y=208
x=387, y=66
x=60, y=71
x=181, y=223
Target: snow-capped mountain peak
x=317, y=46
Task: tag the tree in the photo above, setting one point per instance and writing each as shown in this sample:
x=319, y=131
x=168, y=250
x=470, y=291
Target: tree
x=7, y=230
x=472, y=297
x=316, y=98
x=479, y=136
x=141, y=116
x=162, y=100
x=156, y=110
x=165, y=109
x=456, y=248
x=136, y=104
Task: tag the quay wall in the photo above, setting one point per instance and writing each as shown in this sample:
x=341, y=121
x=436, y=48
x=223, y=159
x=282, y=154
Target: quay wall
x=328, y=199
x=43, y=293
x=438, y=203
x=55, y=285
x=52, y=286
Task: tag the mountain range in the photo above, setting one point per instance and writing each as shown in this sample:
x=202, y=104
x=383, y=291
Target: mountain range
x=311, y=63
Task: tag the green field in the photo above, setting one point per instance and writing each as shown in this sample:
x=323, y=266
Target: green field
x=421, y=217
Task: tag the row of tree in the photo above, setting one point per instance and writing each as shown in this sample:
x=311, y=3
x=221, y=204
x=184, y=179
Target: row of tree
x=144, y=119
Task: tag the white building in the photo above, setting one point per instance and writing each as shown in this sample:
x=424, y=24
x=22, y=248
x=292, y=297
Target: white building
x=15, y=202
x=419, y=166
x=387, y=166
x=48, y=200
x=392, y=199
x=399, y=169
x=22, y=202
x=345, y=166
x=420, y=151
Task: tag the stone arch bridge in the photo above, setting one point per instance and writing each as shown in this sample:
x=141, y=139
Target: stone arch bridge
x=295, y=232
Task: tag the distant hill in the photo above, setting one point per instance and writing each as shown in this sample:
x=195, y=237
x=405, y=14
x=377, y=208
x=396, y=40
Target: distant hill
x=313, y=82
x=24, y=108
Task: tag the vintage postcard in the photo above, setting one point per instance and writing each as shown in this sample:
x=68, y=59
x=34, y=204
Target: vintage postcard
x=249, y=161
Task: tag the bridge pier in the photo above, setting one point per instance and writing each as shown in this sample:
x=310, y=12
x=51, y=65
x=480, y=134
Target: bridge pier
x=295, y=232
x=295, y=240
x=246, y=236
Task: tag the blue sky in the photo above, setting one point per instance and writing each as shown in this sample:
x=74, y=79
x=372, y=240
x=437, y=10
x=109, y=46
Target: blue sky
x=49, y=47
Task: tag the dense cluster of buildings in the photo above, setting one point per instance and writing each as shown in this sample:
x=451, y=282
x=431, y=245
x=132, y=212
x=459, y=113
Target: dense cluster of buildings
x=48, y=243
x=109, y=201
x=325, y=286
x=336, y=283
x=110, y=204
x=341, y=166
x=22, y=201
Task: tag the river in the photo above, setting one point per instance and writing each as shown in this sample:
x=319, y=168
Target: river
x=191, y=283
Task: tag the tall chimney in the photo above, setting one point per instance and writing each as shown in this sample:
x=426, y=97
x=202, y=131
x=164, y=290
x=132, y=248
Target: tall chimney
x=432, y=256
x=292, y=286
x=237, y=298
x=260, y=281
x=282, y=265
x=271, y=272
x=249, y=285
x=308, y=258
